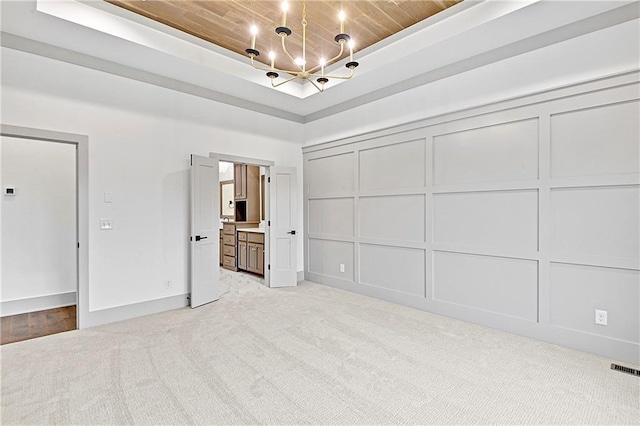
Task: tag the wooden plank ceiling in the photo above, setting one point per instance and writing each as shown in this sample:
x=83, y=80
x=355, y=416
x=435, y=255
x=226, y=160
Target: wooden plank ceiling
x=226, y=23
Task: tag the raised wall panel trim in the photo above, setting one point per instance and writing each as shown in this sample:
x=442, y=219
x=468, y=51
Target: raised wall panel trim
x=606, y=90
x=627, y=81
x=392, y=193
x=498, y=219
x=331, y=216
x=392, y=166
x=399, y=269
x=486, y=187
x=39, y=303
x=329, y=255
x=577, y=137
x=331, y=237
x=628, y=179
x=487, y=251
x=393, y=243
x=596, y=221
x=600, y=345
x=501, y=151
x=501, y=285
x=392, y=217
x=577, y=291
x=601, y=261
x=337, y=172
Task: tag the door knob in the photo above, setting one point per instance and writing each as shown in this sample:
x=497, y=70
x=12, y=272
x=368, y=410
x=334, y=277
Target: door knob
x=292, y=232
x=198, y=238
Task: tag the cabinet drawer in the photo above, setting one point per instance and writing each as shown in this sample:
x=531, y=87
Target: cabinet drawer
x=229, y=228
x=256, y=238
x=229, y=261
x=229, y=251
x=229, y=240
x=242, y=236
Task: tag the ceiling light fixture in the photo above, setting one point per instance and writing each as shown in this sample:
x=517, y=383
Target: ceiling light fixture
x=300, y=62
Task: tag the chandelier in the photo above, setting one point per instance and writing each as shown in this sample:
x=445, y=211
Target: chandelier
x=300, y=63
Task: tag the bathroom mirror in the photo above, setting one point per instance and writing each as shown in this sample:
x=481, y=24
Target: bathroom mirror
x=227, y=207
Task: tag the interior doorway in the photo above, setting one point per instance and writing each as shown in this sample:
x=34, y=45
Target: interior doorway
x=39, y=238
x=79, y=291
x=243, y=221
x=214, y=237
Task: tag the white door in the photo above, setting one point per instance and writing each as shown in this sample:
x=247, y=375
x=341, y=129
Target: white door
x=205, y=232
x=283, y=215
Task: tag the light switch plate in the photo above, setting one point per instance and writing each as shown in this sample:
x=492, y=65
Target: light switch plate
x=108, y=197
x=106, y=224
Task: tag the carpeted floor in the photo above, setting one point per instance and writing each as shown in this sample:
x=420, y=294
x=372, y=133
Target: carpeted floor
x=306, y=355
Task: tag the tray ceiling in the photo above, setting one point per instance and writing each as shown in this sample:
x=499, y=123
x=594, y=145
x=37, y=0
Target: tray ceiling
x=226, y=23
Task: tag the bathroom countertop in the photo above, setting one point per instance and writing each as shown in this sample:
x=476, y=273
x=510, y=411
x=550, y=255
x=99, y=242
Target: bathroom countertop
x=254, y=230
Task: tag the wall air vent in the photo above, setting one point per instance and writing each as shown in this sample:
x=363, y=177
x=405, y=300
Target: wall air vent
x=624, y=369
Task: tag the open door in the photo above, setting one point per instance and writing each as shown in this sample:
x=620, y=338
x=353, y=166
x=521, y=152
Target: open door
x=283, y=215
x=205, y=232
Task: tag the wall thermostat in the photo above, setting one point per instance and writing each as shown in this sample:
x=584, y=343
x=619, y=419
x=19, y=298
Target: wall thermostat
x=9, y=190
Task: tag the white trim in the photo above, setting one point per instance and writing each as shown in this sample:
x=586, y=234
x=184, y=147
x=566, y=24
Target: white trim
x=541, y=106
x=560, y=92
x=135, y=310
x=38, y=303
x=82, y=203
x=267, y=165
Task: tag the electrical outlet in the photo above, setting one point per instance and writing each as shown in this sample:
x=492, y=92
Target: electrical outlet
x=601, y=317
x=342, y=267
x=167, y=284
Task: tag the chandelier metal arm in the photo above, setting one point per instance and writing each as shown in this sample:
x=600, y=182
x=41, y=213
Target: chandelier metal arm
x=320, y=89
x=284, y=47
x=275, y=69
x=330, y=61
x=316, y=73
x=342, y=77
x=283, y=82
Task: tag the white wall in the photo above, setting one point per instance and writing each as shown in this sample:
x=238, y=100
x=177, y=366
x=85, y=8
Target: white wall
x=608, y=51
x=140, y=139
x=523, y=215
x=38, y=224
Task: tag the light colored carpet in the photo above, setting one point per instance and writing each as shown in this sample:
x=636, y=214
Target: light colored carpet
x=306, y=355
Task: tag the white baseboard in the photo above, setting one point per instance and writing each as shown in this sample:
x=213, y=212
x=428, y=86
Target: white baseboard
x=39, y=303
x=135, y=310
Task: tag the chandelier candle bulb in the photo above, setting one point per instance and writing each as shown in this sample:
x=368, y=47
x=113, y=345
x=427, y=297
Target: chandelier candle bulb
x=254, y=31
x=285, y=7
x=316, y=74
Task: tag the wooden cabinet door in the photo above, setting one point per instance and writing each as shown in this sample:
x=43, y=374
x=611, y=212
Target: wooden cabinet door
x=260, y=259
x=255, y=258
x=240, y=181
x=242, y=255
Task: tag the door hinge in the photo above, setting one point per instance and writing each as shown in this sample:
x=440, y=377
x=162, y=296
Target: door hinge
x=269, y=179
x=269, y=267
x=190, y=238
x=268, y=223
x=191, y=160
x=78, y=245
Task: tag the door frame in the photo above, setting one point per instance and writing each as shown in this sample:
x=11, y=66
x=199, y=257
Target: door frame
x=252, y=162
x=82, y=204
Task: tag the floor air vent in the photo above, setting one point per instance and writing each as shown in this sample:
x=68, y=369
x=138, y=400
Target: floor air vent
x=624, y=369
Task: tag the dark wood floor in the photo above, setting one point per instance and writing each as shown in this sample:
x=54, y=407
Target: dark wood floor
x=37, y=324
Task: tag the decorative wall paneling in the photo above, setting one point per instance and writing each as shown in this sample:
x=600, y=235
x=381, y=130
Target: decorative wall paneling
x=524, y=218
